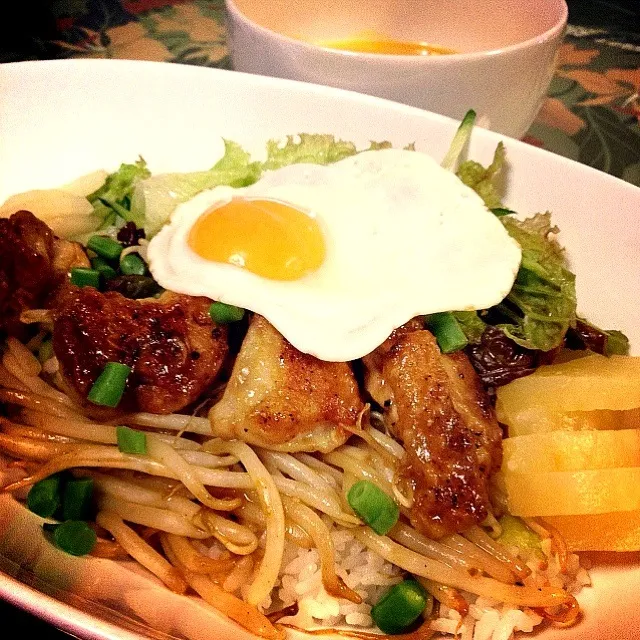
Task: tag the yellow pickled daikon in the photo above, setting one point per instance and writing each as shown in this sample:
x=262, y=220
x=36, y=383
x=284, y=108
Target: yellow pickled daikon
x=593, y=392
x=556, y=493
x=618, y=531
x=571, y=451
x=574, y=452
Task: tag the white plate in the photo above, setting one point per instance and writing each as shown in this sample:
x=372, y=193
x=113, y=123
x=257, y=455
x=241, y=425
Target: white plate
x=61, y=119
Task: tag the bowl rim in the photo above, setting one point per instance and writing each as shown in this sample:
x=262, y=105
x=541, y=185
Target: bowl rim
x=13, y=592
x=557, y=30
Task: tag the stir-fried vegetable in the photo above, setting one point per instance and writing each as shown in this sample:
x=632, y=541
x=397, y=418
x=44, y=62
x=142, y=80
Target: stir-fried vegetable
x=447, y=330
x=374, y=506
x=105, y=247
x=400, y=607
x=44, y=497
x=77, y=499
x=85, y=277
x=104, y=268
x=109, y=387
x=75, y=537
x=131, y=440
x=132, y=265
x=222, y=313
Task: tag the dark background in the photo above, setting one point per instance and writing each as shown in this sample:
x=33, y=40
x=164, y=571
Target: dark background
x=31, y=25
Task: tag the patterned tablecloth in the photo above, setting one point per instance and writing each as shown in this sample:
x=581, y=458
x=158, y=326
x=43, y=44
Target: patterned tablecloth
x=591, y=114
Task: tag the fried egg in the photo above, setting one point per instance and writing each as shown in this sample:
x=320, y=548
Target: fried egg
x=336, y=257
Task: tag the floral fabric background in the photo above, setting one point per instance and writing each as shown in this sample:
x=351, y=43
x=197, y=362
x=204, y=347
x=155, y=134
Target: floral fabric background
x=592, y=112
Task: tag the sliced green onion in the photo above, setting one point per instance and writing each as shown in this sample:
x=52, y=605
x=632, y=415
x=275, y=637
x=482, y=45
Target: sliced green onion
x=45, y=351
x=76, y=499
x=45, y=496
x=374, y=506
x=84, y=277
x=400, y=607
x=104, y=268
x=447, y=331
x=222, y=313
x=132, y=265
x=105, y=247
x=108, y=388
x=131, y=440
x=73, y=536
x=459, y=140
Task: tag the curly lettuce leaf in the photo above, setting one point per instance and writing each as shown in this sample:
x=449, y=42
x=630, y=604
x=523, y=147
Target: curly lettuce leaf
x=155, y=198
x=471, y=324
x=114, y=196
x=482, y=180
x=308, y=147
x=542, y=303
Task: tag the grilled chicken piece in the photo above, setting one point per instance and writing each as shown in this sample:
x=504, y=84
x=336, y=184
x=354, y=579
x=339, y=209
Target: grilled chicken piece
x=282, y=399
x=441, y=413
x=173, y=347
x=33, y=264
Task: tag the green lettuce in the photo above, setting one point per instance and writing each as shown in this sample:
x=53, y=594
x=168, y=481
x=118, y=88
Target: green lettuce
x=114, y=196
x=471, y=324
x=311, y=148
x=155, y=198
x=541, y=306
x=483, y=180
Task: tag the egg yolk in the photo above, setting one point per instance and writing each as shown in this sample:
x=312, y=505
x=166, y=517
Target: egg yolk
x=371, y=42
x=267, y=237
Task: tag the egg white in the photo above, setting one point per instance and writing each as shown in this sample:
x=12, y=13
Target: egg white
x=404, y=237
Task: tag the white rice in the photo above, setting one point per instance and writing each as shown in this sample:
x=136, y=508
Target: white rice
x=370, y=576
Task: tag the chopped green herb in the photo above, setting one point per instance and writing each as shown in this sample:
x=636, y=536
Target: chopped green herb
x=84, y=277
x=105, y=247
x=400, y=607
x=44, y=497
x=222, y=313
x=109, y=387
x=374, y=506
x=76, y=499
x=104, y=268
x=75, y=537
x=131, y=440
x=132, y=265
x=447, y=331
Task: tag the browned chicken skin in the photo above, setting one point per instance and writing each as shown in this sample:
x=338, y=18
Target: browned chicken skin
x=441, y=413
x=33, y=263
x=173, y=347
x=283, y=399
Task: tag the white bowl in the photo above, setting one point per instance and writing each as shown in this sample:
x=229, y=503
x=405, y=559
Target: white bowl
x=55, y=126
x=506, y=51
